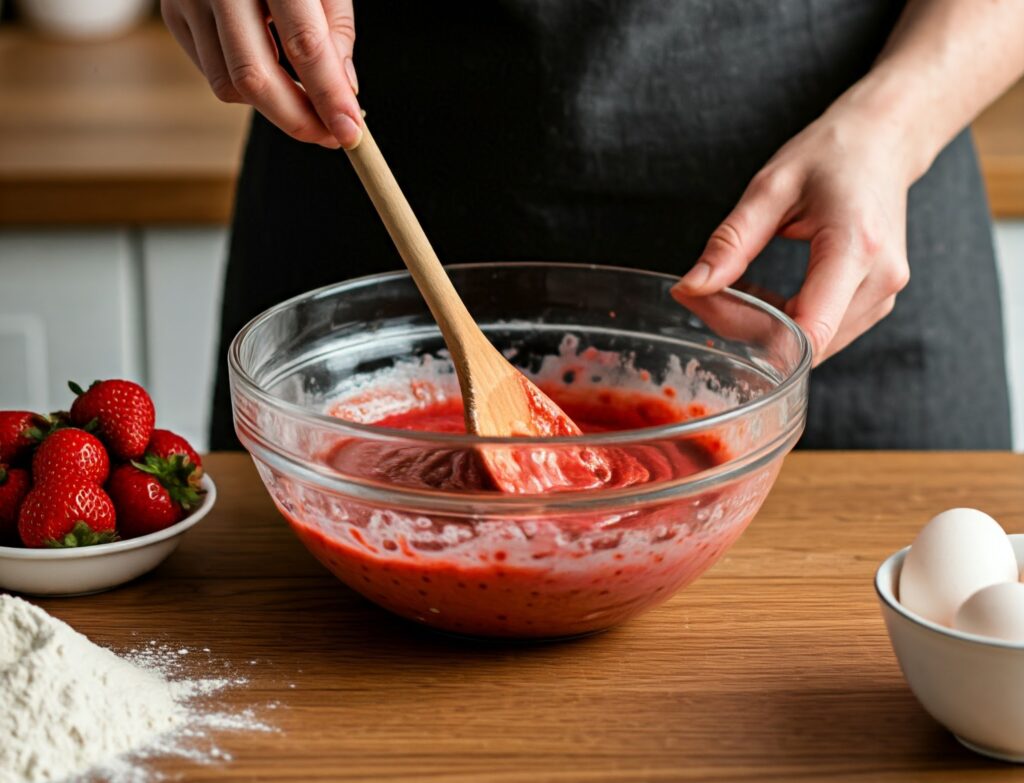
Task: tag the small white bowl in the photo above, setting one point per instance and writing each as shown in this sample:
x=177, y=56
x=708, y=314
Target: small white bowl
x=972, y=685
x=93, y=569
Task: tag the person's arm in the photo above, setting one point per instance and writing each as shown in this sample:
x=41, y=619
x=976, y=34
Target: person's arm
x=841, y=184
x=229, y=41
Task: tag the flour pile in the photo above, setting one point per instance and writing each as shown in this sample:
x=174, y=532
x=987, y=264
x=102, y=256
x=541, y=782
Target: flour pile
x=68, y=706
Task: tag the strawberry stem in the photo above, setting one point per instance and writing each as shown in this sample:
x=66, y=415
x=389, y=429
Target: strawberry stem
x=174, y=474
x=47, y=426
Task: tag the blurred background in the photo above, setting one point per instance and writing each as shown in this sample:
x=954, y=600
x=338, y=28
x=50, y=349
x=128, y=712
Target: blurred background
x=117, y=170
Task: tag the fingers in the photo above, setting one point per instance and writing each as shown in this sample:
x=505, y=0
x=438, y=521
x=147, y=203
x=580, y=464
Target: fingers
x=341, y=22
x=834, y=274
x=180, y=30
x=211, y=59
x=855, y=326
x=741, y=236
x=849, y=288
x=259, y=79
x=732, y=318
x=775, y=299
x=874, y=300
x=309, y=44
x=198, y=36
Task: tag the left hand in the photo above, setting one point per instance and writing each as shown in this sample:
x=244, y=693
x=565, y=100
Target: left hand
x=841, y=185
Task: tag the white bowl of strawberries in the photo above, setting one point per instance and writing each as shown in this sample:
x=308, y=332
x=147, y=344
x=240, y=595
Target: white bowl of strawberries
x=96, y=496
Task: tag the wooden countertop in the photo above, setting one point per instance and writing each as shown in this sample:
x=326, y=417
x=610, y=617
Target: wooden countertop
x=773, y=666
x=127, y=131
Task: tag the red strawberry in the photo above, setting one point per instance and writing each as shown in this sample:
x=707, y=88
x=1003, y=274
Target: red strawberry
x=152, y=495
x=165, y=444
x=15, y=438
x=71, y=453
x=14, y=485
x=65, y=514
x=123, y=413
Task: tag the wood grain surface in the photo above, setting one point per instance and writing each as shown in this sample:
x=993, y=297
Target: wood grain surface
x=127, y=131
x=773, y=666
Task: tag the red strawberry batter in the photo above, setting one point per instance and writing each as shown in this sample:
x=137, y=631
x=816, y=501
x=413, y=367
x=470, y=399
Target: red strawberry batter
x=536, y=576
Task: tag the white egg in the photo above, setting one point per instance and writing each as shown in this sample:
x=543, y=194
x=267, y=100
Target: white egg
x=996, y=611
x=955, y=555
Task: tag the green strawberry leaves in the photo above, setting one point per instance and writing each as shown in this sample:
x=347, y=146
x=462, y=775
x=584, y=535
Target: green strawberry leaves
x=48, y=425
x=175, y=475
x=81, y=535
x=77, y=390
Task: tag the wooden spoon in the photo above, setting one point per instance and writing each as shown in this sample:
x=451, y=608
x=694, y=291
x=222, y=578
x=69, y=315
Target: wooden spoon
x=499, y=400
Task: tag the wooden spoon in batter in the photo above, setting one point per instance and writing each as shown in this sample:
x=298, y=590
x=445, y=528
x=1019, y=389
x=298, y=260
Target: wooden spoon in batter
x=499, y=400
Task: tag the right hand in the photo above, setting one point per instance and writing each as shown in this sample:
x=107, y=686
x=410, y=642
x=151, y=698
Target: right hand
x=230, y=42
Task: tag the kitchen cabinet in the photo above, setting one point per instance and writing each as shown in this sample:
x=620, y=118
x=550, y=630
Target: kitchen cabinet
x=182, y=272
x=69, y=309
x=1010, y=253
x=112, y=303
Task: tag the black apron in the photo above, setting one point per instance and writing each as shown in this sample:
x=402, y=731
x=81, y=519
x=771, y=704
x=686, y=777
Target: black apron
x=622, y=132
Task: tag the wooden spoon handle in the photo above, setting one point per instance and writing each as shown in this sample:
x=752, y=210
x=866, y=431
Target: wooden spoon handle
x=457, y=326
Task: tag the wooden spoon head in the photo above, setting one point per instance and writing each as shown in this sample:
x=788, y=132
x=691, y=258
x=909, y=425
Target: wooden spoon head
x=502, y=402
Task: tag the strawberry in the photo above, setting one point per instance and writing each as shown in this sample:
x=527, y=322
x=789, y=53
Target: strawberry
x=123, y=413
x=66, y=513
x=71, y=453
x=15, y=434
x=152, y=495
x=14, y=485
x=164, y=444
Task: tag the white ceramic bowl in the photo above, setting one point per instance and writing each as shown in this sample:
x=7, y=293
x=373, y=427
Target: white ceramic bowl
x=972, y=685
x=92, y=569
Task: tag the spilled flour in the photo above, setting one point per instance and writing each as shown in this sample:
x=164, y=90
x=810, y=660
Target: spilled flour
x=69, y=707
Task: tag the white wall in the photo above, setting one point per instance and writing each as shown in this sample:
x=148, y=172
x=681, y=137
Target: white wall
x=1010, y=251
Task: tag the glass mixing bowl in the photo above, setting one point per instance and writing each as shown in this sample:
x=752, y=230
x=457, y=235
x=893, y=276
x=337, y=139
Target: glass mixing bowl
x=716, y=391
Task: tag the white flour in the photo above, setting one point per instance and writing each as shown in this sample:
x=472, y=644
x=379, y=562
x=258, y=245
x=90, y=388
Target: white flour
x=68, y=706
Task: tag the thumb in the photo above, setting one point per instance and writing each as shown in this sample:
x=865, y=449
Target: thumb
x=341, y=21
x=737, y=241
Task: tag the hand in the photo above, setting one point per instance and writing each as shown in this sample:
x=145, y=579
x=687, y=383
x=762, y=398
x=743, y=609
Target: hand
x=733, y=319
x=230, y=42
x=841, y=186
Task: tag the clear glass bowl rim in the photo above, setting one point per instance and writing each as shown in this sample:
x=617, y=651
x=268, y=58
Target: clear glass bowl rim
x=620, y=437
